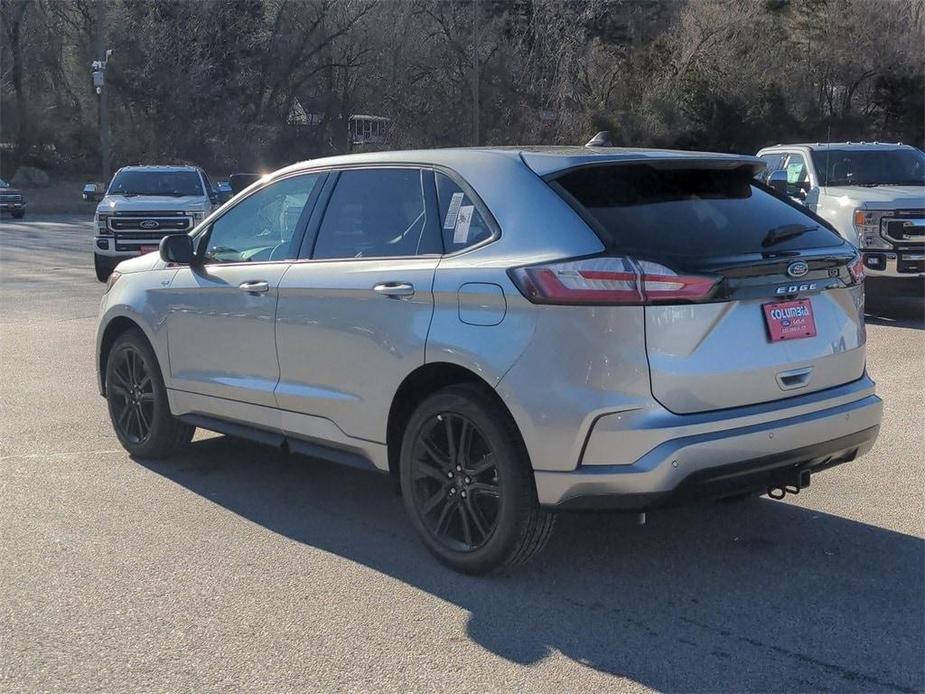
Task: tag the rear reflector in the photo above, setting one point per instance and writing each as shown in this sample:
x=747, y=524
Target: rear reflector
x=609, y=281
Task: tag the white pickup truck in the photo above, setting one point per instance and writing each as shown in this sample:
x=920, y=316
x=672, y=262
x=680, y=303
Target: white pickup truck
x=142, y=205
x=872, y=193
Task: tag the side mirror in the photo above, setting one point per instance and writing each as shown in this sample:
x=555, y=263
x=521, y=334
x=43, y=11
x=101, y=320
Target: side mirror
x=177, y=249
x=778, y=181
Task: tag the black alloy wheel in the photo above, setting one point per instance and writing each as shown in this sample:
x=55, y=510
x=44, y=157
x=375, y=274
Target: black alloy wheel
x=131, y=392
x=457, y=492
x=467, y=483
x=137, y=398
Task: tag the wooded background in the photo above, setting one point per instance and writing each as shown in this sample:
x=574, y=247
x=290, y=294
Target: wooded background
x=215, y=82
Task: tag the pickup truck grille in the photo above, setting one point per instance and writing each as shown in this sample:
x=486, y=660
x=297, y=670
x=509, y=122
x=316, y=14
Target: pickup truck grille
x=150, y=224
x=905, y=226
x=135, y=242
x=11, y=197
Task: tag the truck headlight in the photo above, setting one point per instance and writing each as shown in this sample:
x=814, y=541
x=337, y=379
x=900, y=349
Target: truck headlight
x=102, y=225
x=867, y=226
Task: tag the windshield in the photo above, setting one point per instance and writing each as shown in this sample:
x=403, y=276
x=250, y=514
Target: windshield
x=164, y=183
x=871, y=167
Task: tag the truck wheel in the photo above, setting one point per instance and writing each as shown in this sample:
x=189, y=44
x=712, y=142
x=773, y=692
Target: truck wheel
x=137, y=400
x=467, y=482
x=103, y=271
x=19, y=215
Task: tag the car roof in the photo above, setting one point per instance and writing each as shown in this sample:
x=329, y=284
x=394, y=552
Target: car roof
x=543, y=160
x=823, y=146
x=163, y=168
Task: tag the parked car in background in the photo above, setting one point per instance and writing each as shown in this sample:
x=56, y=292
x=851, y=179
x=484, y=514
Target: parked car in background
x=93, y=192
x=224, y=191
x=508, y=333
x=142, y=205
x=872, y=193
x=12, y=200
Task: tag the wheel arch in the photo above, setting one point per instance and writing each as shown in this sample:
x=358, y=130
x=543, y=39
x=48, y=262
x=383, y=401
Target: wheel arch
x=416, y=386
x=119, y=325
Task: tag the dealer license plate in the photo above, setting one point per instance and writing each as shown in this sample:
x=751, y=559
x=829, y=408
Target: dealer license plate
x=790, y=320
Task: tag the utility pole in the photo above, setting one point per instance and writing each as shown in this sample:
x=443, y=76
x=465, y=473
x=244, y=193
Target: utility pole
x=99, y=82
x=476, y=31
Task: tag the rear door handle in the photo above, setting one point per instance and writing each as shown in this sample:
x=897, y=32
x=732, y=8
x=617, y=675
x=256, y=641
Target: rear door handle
x=258, y=287
x=395, y=290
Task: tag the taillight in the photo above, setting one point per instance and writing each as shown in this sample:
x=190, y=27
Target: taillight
x=609, y=281
x=856, y=269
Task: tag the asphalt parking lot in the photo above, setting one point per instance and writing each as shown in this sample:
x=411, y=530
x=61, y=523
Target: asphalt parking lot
x=238, y=568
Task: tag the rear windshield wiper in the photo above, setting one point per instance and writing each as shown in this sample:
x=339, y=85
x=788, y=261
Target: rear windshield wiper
x=782, y=233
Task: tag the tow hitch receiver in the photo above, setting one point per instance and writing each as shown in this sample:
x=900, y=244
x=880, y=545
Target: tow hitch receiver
x=790, y=483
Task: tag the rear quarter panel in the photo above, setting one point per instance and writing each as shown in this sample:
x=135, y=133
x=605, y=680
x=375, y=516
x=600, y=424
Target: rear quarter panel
x=534, y=225
x=555, y=367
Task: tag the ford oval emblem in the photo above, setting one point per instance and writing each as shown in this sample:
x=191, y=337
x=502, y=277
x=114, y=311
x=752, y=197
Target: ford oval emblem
x=797, y=269
x=151, y=224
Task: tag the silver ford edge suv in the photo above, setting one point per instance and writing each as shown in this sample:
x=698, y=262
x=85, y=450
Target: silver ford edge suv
x=506, y=332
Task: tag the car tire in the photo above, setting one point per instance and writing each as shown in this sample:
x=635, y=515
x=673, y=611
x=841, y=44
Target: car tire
x=103, y=271
x=19, y=215
x=137, y=399
x=467, y=483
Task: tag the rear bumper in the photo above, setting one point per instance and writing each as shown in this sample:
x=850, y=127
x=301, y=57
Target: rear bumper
x=660, y=459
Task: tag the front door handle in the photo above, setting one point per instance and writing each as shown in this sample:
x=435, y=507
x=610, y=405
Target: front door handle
x=395, y=290
x=258, y=287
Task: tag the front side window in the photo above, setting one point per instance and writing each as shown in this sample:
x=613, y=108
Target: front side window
x=376, y=213
x=261, y=227
x=462, y=224
x=797, y=174
x=210, y=189
x=870, y=167
x=171, y=184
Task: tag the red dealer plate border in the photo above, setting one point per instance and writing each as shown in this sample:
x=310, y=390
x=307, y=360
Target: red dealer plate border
x=146, y=249
x=789, y=320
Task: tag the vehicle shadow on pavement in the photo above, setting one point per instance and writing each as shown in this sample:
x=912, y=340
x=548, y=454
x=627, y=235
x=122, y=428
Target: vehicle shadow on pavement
x=758, y=595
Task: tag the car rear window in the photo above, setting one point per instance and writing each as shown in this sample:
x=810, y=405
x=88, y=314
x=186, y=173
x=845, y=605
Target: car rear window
x=653, y=213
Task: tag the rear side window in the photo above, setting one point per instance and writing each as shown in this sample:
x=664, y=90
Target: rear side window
x=376, y=213
x=462, y=224
x=654, y=213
